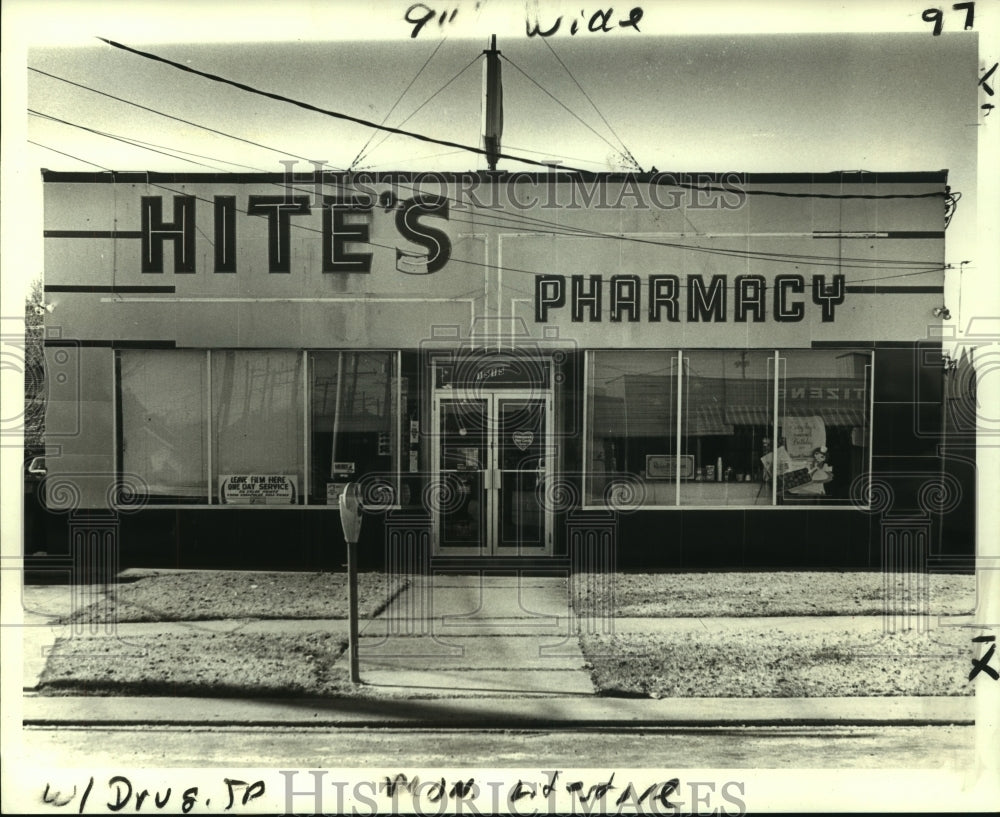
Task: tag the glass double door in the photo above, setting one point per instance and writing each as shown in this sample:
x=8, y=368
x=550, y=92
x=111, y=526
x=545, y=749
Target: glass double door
x=491, y=458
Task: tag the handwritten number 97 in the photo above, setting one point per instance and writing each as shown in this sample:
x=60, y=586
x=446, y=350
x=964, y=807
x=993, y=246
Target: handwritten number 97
x=936, y=16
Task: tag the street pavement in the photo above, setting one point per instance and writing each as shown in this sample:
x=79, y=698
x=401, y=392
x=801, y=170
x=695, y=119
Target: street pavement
x=461, y=651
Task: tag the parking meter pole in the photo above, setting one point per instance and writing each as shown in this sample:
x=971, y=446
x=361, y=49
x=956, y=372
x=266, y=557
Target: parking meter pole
x=352, y=596
x=350, y=521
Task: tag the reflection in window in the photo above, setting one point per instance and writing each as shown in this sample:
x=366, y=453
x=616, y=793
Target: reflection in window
x=257, y=407
x=354, y=418
x=727, y=400
x=823, y=419
x=725, y=450
x=632, y=405
x=163, y=422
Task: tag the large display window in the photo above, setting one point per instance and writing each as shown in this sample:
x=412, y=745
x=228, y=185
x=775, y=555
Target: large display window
x=257, y=427
x=632, y=416
x=736, y=428
x=823, y=424
x=727, y=399
x=163, y=415
x=354, y=428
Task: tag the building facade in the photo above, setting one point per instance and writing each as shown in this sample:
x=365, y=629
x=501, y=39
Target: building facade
x=684, y=370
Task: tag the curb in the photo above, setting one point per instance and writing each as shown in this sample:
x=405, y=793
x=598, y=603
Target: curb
x=551, y=713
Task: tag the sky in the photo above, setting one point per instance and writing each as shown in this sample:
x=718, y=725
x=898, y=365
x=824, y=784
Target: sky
x=800, y=102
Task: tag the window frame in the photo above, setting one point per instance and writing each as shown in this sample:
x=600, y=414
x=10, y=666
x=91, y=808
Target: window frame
x=777, y=362
x=305, y=386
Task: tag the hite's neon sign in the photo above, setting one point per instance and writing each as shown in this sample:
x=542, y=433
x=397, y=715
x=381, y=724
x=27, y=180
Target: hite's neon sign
x=337, y=231
x=629, y=298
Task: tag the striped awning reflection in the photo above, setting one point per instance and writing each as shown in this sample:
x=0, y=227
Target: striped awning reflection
x=704, y=421
x=842, y=416
x=748, y=415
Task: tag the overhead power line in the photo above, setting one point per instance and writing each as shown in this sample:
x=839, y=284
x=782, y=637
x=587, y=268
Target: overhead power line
x=399, y=99
x=548, y=165
x=325, y=111
x=164, y=114
x=558, y=101
x=423, y=104
x=116, y=138
x=480, y=264
x=614, y=133
x=532, y=273
x=518, y=221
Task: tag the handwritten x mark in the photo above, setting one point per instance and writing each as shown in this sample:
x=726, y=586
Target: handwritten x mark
x=983, y=665
x=986, y=76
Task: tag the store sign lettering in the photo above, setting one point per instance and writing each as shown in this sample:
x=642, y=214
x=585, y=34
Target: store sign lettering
x=345, y=221
x=822, y=393
x=487, y=374
x=258, y=489
x=340, y=226
x=744, y=298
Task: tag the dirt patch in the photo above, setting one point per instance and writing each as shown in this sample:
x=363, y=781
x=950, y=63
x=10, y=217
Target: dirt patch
x=207, y=595
x=703, y=595
x=780, y=663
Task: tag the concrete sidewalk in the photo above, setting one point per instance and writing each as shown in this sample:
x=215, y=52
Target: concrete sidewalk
x=465, y=651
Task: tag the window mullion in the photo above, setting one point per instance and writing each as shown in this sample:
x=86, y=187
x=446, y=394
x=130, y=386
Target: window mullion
x=774, y=430
x=680, y=419
x=209, y=422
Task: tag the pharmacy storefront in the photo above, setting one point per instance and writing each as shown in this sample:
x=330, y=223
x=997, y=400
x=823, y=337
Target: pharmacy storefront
x=713, y=369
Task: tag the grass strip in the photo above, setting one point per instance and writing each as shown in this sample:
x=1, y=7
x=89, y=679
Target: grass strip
x=211, y=595
x=779, y=663
x=199, y=664
x=704, y=595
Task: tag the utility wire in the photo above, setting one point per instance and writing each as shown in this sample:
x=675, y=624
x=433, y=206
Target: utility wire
x=167, y=150
x=559, y=102
x=478, y=264
x=510, y=219
x=593, y=105
x=162, y=113
x=117, y=138
x=555, y=166
x=482, y=152
x=416, y=76
x=544, y=227
x=389, y=164
x=316, y=109
x=532, y=273
x=549, y=153
x=68, y=155
x=423, y=104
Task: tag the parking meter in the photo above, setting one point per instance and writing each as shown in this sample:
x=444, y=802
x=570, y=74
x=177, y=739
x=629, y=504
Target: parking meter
x=350, y=521
x=350, y=512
